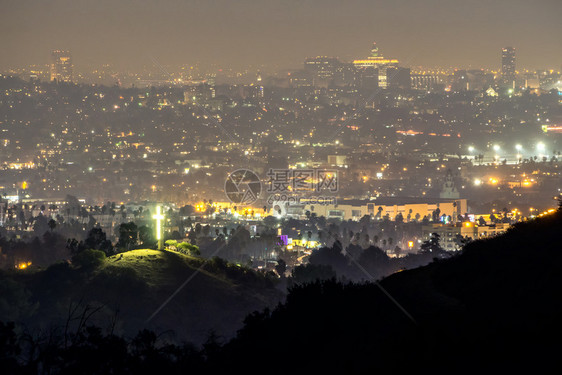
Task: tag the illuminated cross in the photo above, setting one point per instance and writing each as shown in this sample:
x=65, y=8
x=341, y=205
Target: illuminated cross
x=158, y=217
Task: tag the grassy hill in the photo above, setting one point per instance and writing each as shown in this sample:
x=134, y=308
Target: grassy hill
x=127, y=288
x=159, y=268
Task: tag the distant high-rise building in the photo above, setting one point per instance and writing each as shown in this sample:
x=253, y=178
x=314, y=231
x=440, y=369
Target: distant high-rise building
x=375, y=60
x=61, y=66
x=259, y=85
x=508, y=65
x=321, y=68
x=374, y=68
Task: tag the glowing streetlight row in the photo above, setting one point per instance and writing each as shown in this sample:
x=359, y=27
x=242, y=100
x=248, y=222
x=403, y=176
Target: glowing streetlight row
x=540, y=147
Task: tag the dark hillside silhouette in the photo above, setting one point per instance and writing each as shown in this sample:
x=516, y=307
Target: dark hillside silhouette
x=495, y=307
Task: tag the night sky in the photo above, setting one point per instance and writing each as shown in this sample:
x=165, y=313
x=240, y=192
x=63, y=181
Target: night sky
x=130, y=33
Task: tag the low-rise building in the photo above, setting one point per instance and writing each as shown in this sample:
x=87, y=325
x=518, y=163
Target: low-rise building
x=451, y=236
x=410, y=209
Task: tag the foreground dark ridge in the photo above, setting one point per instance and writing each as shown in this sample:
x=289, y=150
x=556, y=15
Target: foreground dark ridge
x=498, y=305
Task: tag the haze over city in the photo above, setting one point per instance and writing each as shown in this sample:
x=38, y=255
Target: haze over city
x=129, y=34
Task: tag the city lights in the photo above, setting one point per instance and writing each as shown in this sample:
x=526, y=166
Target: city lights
x=254, y=177
x=541, y=147
x=23, y=265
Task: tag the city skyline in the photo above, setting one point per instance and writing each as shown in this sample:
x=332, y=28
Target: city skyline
x=135, y=34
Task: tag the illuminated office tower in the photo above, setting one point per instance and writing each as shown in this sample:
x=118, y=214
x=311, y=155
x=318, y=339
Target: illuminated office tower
x=374, y=69
x=322, y=69
x=375, y=60
x=508, y=65
x=61, y=66
x=259, y=85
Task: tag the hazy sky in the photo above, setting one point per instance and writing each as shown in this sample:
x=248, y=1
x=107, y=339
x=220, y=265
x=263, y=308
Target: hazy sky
x=129, y=33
